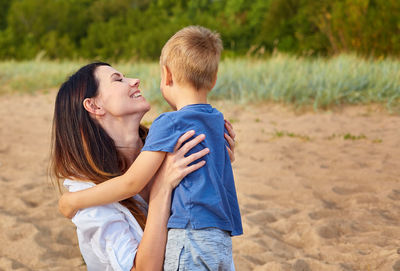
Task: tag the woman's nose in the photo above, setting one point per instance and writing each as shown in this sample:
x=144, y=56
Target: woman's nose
x=134, y=82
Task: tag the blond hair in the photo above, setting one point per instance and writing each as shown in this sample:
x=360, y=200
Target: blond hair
x=192, y=55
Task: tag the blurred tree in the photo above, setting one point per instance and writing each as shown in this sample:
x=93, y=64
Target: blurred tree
x=30, y=24
x=4, y=6
x=125, y=29
x=279, y=26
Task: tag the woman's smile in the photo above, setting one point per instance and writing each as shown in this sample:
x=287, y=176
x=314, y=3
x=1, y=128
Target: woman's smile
x=136, y=94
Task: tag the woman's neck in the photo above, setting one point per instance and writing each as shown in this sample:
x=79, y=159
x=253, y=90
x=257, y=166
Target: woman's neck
x=131, y=153
x=125, y=133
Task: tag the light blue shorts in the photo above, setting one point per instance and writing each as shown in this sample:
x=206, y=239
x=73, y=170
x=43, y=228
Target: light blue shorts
x=204, y=249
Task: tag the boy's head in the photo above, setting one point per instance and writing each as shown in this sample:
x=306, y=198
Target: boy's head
x=192, y=56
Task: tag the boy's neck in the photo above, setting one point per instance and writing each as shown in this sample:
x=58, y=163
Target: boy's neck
x=189, y=95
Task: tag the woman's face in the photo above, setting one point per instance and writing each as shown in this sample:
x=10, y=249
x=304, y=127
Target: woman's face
x=117, y=95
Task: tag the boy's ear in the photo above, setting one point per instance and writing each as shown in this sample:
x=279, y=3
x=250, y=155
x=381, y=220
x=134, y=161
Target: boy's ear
x=167, y=76
x=215, y=81
x=90, y=105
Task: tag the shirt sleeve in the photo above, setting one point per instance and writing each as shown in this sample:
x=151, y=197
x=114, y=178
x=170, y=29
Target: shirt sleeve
x=163, y=135
x=108, y=234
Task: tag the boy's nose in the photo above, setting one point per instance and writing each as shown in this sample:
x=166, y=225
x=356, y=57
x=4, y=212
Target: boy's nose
x=135, y=82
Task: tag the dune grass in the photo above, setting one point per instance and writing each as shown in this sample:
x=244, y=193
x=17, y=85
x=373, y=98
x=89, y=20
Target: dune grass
x=319, y=82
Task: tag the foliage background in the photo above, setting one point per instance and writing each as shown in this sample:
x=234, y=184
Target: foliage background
x=116, y=30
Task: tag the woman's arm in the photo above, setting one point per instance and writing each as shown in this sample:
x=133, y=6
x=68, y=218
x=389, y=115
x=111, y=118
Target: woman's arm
x=150, y=254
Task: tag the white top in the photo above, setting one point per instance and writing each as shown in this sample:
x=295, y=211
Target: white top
x=108, y=235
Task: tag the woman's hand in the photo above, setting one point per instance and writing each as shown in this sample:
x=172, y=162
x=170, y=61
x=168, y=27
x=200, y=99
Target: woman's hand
x=176, y=166
x=231, y=140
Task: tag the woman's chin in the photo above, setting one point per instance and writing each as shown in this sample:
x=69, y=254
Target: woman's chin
x=147, y=108
x=143, y=107
x=144, y=104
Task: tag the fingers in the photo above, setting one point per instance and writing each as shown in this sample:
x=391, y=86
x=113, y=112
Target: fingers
x=193, y=167
x=229, y=127
x=228, y=123
x=193, y=157
x=231, y=155
x=231, y=142
x=190, y=144
x=183, y=138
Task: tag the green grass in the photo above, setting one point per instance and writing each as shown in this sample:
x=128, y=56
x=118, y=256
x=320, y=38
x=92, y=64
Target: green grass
x=281, y=133
x=317, y=82
x=349, y=136
x=32, y=76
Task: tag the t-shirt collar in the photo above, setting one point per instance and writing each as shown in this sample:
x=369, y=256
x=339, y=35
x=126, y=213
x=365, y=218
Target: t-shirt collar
x=195, y=106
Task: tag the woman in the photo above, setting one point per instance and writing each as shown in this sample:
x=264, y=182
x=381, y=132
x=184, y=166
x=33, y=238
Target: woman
x=96, y=136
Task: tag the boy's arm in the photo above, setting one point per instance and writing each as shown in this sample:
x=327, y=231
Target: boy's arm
x=115, y=189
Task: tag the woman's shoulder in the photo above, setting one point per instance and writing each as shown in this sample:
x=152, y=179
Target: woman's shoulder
x=77, y=185
x=100, y=213
x=107, y=220
x=99, y=216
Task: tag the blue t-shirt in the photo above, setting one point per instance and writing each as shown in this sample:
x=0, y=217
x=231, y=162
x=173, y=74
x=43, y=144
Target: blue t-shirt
x=206, y=197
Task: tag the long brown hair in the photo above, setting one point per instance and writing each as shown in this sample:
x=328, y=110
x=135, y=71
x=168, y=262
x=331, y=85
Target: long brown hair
x=81, y=148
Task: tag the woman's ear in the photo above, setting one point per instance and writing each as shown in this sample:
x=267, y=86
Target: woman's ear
x=167, y=76
x=90, y=105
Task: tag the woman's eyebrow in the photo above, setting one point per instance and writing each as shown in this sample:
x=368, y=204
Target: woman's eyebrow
x=117, y=74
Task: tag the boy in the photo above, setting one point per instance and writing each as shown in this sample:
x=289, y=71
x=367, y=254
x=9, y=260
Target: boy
x=204, y=211
x=206, y=199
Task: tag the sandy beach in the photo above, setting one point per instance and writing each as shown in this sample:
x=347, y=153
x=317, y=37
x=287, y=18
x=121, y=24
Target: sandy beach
x=317, y=191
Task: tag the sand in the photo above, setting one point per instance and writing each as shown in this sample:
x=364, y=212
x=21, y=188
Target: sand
x=317, y=191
